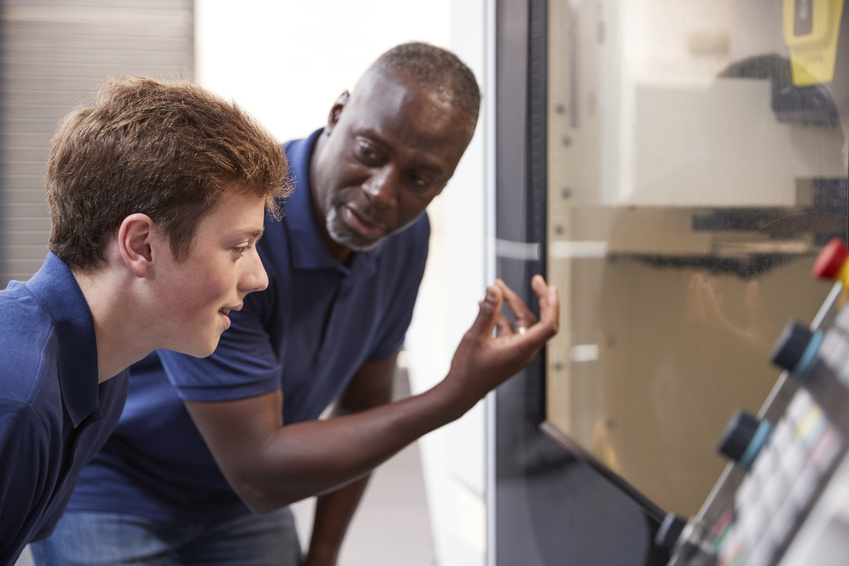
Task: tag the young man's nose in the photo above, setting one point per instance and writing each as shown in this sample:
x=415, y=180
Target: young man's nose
x=255, y=278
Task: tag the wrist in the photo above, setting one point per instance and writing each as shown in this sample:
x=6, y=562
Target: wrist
x=321, y=555
x=453, y=397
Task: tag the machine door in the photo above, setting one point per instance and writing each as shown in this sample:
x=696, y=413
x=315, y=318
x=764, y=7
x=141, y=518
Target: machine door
x=674, y=168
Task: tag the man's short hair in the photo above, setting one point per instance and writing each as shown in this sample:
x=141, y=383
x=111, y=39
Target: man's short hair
x=165, y=149
x=438, y=69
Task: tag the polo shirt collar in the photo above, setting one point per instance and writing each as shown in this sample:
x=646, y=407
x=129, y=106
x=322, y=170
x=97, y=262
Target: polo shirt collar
x=58, y=293
x=307, y=248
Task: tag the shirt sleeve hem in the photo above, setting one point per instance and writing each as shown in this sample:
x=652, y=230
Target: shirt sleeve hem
x=229, y=392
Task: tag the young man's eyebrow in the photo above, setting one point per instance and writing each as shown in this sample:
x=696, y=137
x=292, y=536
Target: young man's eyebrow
x=249, y=233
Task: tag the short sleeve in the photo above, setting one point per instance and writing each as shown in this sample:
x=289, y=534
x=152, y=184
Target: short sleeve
x=24, y=474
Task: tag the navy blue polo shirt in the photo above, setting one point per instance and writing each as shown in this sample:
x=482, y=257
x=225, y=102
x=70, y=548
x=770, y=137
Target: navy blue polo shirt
x=306, y=335
x=54, y=415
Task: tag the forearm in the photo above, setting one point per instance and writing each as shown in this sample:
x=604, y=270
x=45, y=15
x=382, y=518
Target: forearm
x=271, y=465
x=309, y=458
x=333, y=514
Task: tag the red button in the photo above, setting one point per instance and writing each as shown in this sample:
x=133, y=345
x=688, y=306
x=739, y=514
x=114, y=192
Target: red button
x=831, y=259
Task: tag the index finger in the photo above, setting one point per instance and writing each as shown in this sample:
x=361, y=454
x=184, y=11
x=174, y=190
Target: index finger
x=523, y=315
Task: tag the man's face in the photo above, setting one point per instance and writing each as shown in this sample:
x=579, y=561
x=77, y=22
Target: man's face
x=222, y=267
x=389, y=149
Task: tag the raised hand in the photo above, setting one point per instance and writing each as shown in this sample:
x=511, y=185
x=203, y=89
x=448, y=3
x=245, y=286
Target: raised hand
x=484, y=360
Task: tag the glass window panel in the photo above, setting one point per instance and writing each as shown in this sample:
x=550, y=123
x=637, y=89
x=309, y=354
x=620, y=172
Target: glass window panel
x=697, y=163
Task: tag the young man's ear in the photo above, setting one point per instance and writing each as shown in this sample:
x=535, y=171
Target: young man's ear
x=336, y=111
x=135, y=236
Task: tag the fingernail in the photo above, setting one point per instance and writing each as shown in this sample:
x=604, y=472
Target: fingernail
x=490, y=295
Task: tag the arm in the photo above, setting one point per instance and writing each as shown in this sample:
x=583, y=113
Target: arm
x=270, y=466
x=370, y=387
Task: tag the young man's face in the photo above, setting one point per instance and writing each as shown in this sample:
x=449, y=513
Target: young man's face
x=390, y=148
x=222, y=267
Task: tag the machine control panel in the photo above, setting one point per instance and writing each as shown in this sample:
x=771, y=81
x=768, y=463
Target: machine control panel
x=780, y=500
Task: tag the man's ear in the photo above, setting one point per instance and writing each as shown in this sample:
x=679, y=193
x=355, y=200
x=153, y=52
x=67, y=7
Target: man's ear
x=336, y=111
x=135, y=236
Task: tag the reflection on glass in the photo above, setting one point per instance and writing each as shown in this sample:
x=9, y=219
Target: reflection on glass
x=697, y=163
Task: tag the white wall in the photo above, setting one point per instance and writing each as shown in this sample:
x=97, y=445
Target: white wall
x=286, y=62
x=456, y=277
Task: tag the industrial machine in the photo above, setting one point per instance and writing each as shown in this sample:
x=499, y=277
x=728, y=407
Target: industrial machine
x=682, y=166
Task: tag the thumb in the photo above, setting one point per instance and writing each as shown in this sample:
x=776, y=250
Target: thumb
x=490, y=306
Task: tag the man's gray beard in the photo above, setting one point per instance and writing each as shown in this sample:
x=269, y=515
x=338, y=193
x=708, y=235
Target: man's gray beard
x=344, y=239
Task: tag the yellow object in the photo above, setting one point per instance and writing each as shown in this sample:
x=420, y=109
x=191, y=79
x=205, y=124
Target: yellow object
x=843, y=277
x=811, y=29
x=810, y=425
x=843, y=274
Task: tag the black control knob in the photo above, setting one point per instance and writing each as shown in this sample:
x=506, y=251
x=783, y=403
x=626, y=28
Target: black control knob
x=796, y=348
x=743, y=438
